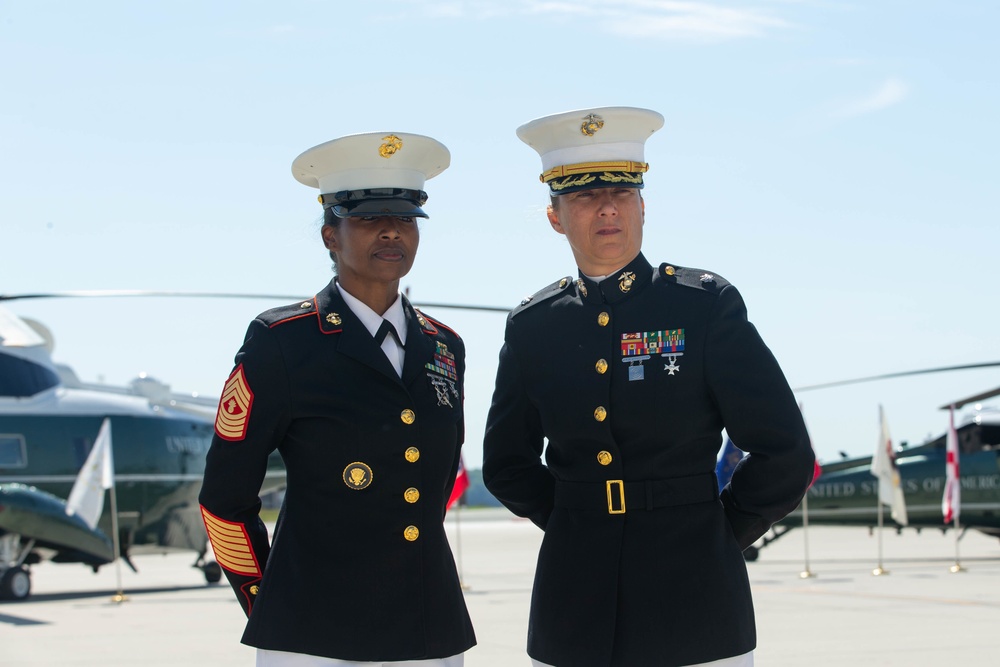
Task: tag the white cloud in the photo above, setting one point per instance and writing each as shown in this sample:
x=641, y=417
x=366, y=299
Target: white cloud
x=681, y=19
x=890, y=93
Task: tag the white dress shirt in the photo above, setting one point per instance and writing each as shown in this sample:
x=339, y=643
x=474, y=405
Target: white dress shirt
x=397, y=318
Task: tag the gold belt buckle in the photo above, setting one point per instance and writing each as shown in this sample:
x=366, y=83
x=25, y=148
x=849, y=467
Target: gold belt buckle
x=621, y=496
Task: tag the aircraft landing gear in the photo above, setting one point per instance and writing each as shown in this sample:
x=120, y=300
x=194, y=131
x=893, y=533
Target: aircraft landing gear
x=15, y=580
x=15, y=583
x=212, y=572
x=211, y=569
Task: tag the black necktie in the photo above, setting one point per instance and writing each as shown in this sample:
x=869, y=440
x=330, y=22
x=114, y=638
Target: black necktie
x=384, y=329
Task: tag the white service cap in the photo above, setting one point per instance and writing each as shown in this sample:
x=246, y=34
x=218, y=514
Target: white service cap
x=592, y=148
x=373, y=173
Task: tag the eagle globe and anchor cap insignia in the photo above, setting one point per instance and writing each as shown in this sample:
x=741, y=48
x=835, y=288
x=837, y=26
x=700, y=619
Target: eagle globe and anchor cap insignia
x=391, y=146
x=591, y=124
x=234, y=407
x=358, y=476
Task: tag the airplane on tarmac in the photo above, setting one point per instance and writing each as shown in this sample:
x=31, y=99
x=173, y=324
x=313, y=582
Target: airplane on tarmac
x=846, y=492
x=49, y=420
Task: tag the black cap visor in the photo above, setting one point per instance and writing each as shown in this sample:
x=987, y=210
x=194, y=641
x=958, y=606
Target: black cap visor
x=396, y=202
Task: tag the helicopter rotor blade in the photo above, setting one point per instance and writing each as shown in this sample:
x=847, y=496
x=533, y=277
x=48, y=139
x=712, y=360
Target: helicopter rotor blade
x=887, y=376
x=215, y=295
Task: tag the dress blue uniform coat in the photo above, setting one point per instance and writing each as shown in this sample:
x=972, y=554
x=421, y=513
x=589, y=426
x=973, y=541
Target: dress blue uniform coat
x=360, y=568
x=632, y=381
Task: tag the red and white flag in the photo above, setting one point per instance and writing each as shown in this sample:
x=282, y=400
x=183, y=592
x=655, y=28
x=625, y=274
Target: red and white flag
x=890, y=490
x=952, y=500
x=461, y=484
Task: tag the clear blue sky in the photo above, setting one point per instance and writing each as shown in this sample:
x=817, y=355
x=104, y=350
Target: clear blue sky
x=837, y=161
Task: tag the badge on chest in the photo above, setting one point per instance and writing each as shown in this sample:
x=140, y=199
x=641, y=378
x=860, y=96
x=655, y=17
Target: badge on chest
x=644, y=345
x=443, y=375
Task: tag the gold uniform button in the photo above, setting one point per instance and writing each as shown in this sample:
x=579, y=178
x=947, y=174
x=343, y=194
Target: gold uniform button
x=604, y=458
x=254, y=590
x=412, y=454
x=407, y=416
x=601, y=366
x=600, y=414
x=411, y=495
x=411, y=533
x=603, y=319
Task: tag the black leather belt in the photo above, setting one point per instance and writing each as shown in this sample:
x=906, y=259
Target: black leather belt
x=614, y=495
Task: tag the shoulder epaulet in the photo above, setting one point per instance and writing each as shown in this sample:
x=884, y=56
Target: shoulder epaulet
x=288, y=313
x=429, y=325
x=690, y=277
x=542, y=294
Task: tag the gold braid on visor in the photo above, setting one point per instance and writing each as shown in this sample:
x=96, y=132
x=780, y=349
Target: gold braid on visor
x=585, y=173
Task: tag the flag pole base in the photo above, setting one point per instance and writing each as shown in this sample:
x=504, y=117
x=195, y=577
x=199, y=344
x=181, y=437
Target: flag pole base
x=957, y=567
x=879, y=571
x=806, y=574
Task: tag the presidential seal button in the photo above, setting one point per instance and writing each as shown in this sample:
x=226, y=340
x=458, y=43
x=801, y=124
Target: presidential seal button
x=601, y=366
x=603, y=319
x=412, y=454
x=357, y=476
x=407, y=416
x=411, y=495
x=411, y=533
x=604, y=457
x=600, y=414
x=333, y=318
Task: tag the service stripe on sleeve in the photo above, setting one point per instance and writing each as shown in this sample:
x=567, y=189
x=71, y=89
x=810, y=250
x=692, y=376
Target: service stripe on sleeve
x=231, y=545
x=234, y=407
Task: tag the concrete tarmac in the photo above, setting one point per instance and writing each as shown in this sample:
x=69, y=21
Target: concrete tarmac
x=919, y=614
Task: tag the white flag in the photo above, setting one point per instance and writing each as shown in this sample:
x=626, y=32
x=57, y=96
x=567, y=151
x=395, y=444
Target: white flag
x=86, y=500
x=890, y=490
x=952, y=500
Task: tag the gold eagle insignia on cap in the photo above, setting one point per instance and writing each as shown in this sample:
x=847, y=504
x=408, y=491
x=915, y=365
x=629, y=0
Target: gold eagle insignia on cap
x=391, y=145
x=358, y=476
x=591, y=124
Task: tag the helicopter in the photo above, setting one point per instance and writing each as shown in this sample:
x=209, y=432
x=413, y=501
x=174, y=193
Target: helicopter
x=845, y=492
x=49, y=421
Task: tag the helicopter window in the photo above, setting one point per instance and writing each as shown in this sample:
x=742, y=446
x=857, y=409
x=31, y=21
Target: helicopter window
x=12, y=451
x=20, y=377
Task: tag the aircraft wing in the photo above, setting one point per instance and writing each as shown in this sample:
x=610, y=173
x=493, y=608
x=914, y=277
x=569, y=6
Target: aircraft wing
x=40, y=516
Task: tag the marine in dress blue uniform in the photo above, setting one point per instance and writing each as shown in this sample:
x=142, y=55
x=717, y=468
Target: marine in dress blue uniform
x=630, y=371
x=359, y=568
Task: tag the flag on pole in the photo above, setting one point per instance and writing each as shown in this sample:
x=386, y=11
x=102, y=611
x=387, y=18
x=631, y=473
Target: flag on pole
x=950, y=503
x=730, y=456
x=461, y=484
x=97, y=474
x=890, y=489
